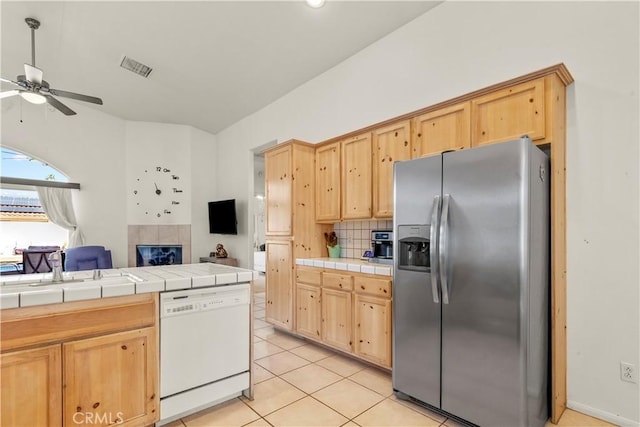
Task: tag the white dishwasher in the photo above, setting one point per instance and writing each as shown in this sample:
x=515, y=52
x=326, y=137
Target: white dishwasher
x=204, y=348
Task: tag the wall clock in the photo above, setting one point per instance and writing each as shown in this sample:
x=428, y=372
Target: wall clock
x=157, y=191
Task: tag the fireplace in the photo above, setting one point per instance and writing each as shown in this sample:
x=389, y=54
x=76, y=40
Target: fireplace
x=149, y=255
x=158, y=235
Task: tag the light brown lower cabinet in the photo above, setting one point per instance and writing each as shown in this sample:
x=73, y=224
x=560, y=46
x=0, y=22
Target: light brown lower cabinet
x=336, y=318
x=89, y=362
x=279, y=278
x=309, y=317
x=31, y=387
x=373, y=329
x=350, y=312
x=111, y=379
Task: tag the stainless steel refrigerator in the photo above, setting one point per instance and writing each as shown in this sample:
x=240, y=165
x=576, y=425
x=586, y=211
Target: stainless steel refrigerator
x=471, y=283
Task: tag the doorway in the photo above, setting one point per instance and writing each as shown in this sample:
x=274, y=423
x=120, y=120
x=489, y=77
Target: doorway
x=256, y=227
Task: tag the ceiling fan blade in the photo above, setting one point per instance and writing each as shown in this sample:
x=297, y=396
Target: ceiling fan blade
x=60, y=106
x=11, y=82
x=9, y=93
x=77, y=96
x=34, y=74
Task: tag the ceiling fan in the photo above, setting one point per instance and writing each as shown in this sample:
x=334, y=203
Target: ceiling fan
x=34, y=89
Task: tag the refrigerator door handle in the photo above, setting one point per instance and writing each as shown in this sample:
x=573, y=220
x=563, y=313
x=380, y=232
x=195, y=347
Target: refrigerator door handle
x=433, y=252
x=443, y=246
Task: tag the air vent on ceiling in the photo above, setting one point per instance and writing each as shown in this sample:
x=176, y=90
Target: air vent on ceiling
x=135, y=66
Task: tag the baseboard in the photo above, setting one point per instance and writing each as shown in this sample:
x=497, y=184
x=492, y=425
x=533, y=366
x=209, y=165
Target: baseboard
x=603, y=415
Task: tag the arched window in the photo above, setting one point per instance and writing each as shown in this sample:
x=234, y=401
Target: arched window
x=23, y=222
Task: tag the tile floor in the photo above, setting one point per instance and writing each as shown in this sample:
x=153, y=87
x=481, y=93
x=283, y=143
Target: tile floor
x=298, y=383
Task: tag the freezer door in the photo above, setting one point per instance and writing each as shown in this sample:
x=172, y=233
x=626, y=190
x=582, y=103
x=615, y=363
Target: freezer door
x=416, y=317
x=484, y=247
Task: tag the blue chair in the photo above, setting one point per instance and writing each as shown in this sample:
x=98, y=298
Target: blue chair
x=35, y=259
x=87, y=258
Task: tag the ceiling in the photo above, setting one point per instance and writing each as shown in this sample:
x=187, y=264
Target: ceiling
x=214, y=62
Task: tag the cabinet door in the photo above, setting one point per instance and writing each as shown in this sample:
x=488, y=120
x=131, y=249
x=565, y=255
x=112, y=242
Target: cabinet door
x=441, y=130
x=112, y=379
x=279, y=284
x=328, y=182
x=31, y=387
x=356, y=177
x=277, y=175
x=336, y=318
x=390, y=144
x=508, y=114
x=373, y=329
x=308, y=318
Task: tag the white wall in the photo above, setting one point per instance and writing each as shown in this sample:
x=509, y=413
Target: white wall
x=168, y=147
x=89, y=149
x=204, y=188
x=462, y=46
x=106, y=155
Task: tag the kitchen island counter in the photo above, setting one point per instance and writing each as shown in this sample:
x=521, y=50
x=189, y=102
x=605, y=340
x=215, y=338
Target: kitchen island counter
x=37, y=289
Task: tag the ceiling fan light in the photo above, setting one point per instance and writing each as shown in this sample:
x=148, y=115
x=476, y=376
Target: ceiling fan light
x=34, y=98
x=315, y=3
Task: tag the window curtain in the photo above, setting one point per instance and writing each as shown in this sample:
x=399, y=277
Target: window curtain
x=58, y=206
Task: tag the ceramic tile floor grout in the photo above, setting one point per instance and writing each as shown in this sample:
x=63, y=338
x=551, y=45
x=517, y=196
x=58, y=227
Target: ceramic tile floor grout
x=259, y=306
x=319, y=357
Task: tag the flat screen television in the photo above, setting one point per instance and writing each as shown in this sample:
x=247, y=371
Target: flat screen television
x=222, y=217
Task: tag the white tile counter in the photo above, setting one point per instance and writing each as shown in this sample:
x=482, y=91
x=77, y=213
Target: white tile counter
x=27, y=290
x=347, y=264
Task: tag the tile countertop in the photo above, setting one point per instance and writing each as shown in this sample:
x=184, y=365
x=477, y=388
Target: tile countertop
x=27, y=290
x=348, y=264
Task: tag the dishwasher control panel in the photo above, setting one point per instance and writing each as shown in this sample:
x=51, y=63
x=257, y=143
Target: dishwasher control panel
x=184, y=302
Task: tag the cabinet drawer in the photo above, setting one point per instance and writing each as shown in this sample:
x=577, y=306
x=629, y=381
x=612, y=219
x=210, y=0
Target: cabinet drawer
x=371, y=286
x=308, y=276
x=337, y=281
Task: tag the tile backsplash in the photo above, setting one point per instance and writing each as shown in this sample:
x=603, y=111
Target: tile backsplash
x=354, y=237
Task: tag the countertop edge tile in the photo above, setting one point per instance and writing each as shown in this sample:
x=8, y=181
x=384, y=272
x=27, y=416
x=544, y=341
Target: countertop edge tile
x=118, y=290
x=40, y=297
x=10, y=300
x=354, y=265
x=81, y=293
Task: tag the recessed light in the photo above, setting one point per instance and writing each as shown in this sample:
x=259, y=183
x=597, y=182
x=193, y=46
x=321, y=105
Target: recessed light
x=315, y=3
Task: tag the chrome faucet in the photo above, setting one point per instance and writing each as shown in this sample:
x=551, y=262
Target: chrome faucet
x=55, y=259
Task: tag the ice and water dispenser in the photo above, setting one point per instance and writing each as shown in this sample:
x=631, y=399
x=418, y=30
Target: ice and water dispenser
x=414, y=247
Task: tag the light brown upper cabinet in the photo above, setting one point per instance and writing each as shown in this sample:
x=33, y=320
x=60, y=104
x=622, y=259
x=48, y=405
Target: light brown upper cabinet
x=356, y=177
x=390, y=144
x=278, y=172
x=445, y=129
x=509, y=114
x=328, y=182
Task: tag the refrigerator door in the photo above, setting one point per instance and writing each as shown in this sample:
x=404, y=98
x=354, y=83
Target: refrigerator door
x=484, y=251
x=416, y=317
